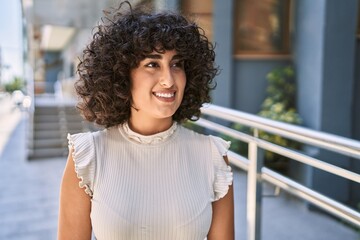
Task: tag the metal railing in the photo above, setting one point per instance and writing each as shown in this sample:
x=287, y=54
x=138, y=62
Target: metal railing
x=257, y=173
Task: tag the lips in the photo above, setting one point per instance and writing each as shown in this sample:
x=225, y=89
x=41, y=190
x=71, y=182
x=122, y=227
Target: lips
x=165, y=96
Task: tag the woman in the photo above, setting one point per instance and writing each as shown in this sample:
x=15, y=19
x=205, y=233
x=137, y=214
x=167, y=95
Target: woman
x=145, y=176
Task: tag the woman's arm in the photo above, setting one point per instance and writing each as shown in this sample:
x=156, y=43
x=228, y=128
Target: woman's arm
x=75, y=206
x=222, y=224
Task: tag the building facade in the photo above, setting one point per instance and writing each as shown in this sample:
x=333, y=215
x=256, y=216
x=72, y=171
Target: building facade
x=319, y=39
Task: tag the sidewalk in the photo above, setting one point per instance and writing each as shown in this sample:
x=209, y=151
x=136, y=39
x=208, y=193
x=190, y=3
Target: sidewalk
x=286, y=218
x=9, y=118
x=29, y=192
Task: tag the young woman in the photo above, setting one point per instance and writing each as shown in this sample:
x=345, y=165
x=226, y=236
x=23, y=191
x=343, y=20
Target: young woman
x=145, y=176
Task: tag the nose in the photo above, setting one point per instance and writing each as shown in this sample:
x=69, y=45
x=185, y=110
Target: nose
x=166, y=78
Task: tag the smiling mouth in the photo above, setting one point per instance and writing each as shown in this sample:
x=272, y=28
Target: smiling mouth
x=164, y=95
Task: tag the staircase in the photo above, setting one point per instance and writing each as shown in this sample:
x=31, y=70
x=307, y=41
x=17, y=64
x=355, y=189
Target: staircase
x=51, y=124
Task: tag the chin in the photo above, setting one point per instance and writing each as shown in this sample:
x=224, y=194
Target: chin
x=165, y=115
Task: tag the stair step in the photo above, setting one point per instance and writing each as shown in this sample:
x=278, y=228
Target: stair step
x=46, y=111
x=55, y=111
x=71, y=111
x=48, y=153
x=62, y=128
x=46, y=118
x=75, y=126
x=57, y=119
x=48, y=126
x=51, y=126
x=50, y=143
x=48, y=134
x=73, y=118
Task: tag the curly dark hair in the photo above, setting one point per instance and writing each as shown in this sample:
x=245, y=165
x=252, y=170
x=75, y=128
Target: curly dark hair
x=121, y=40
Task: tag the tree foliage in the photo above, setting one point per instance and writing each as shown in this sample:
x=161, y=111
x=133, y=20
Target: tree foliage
x=280, y=105
x=16, y=84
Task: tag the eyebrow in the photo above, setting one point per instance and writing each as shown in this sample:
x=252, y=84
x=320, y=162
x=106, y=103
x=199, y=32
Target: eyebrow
x=159, y=56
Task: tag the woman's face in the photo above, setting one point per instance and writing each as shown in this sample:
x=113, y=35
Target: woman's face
x=157, y=86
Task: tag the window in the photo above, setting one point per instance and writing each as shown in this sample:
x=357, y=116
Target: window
x=262, y=27
x=201, y=12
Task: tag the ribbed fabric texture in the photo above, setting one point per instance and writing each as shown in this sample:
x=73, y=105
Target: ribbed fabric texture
x=151, y=191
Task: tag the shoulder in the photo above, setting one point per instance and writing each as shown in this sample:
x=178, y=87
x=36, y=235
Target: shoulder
x=220, y=144
x=94, y=135
x=212, y=150
x=191, y=134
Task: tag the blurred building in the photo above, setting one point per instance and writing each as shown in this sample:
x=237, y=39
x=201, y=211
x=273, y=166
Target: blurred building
x=1, y=66
x=320, y=39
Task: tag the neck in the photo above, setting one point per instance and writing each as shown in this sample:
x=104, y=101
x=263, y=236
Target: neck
x=149, y=127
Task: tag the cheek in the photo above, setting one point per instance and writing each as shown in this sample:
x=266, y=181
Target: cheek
x=138, y=85
x=184, y=85
x=182, y=81
x=136, y=92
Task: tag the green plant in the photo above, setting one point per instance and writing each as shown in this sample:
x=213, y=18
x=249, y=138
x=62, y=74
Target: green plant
x=16, y=84
x=280, y=105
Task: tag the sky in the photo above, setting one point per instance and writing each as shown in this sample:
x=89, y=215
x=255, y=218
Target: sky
x=10, y=39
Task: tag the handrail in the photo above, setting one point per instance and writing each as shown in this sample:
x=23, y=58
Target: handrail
x=312, y=196
x=324, y=140
x=298, y=190
x=282, y=151
x=257, y=173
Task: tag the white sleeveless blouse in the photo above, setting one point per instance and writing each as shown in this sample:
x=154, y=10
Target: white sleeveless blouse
x=151, y=187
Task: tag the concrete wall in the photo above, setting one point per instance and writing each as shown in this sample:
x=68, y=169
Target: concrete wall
x=324, y=61
x=223, y=38
x=355, y=164
x=308, y=52
x=356, y=94
x=241, y=84
x=250, y=83
x=323, y=58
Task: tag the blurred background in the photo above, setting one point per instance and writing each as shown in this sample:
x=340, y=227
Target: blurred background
x=295, y=61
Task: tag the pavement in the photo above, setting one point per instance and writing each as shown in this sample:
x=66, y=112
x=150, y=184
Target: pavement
x=29, y=193
x=29, y=190
x=9, y=118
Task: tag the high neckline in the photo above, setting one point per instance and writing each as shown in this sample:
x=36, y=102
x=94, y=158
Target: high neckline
x=147, y=139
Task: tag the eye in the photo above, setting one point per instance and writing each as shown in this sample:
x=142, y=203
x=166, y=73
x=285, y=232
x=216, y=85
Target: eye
x=178, y=64
x=152, y=65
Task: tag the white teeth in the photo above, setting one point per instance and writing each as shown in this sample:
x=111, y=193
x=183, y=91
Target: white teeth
x=165, y=95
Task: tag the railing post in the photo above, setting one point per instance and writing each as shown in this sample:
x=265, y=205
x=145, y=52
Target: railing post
x=254, y=192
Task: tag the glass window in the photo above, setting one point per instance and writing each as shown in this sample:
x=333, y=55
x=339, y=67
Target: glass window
x=262, y=27
x=201, y=12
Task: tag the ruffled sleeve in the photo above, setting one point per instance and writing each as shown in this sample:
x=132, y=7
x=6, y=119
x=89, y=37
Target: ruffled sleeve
x=84, y=159
x=223, y=176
